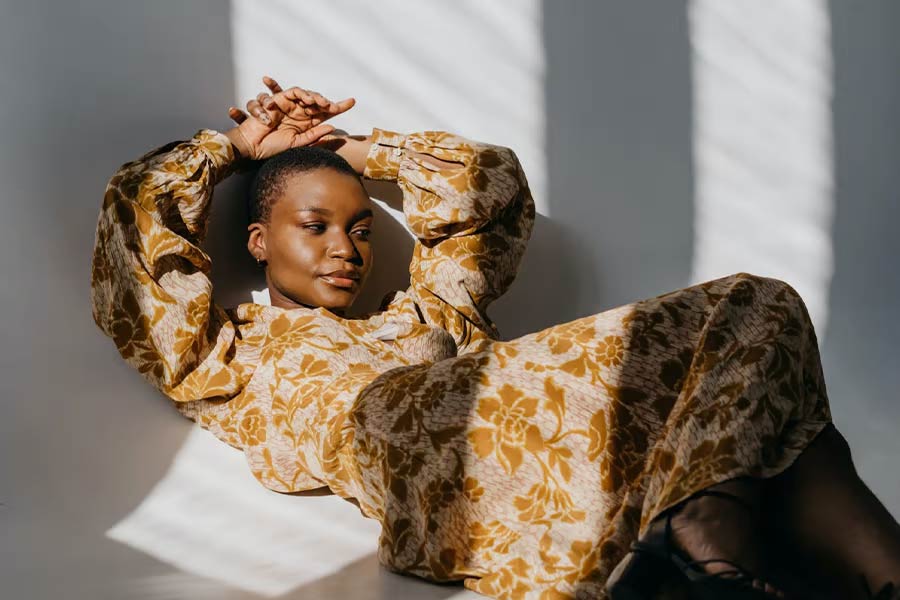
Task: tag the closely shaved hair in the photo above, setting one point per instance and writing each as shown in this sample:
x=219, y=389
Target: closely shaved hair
x=268, y=183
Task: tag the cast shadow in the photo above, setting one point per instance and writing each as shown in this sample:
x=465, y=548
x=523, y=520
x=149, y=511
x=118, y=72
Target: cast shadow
x=860, y=349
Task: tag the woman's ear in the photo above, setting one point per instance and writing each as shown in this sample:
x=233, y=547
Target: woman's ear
x=256, y=241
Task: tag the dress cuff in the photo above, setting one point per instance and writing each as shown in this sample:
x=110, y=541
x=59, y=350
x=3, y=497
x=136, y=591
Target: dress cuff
x=383, y=159
x=219, y=150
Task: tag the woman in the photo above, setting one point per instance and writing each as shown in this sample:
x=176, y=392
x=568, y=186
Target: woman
x=549, y=466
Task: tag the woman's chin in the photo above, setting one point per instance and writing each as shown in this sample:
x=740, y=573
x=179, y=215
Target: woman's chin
x=338, y=301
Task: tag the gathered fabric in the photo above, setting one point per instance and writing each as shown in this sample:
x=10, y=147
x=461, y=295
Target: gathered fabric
x=524, y=468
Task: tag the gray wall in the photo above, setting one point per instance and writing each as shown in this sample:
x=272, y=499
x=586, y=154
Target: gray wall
x=85, y=87
x=619, y=167
x=618, y=97
x=861, y=353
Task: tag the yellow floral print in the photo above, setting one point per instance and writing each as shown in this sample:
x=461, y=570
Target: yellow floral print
x=253, y=427
x=611, y=350
x=523, y=468
x=510, y=415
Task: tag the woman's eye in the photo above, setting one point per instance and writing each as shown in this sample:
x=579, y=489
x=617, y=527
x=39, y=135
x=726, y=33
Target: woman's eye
x=319, y=227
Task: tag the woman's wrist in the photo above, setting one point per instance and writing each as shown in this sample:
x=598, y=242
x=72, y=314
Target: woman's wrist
x=358, y=151
x=241, y=150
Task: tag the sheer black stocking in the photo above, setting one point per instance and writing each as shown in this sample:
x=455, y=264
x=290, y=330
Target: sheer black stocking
x=711, y=527
x=825, y=522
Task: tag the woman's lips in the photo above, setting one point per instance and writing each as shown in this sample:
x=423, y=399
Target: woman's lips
x=341, y=282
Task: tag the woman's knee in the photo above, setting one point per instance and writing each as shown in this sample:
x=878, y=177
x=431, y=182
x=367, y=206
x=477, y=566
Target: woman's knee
x=779, y=289
x=765, y=282
x=836, y=445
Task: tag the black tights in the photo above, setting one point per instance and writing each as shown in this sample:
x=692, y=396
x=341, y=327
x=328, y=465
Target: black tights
x=828, y=525
x=816, y=521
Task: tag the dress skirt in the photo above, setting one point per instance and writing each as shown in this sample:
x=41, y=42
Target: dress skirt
x=527, y=468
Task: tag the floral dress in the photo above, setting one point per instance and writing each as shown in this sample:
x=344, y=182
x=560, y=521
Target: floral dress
x=523, y=468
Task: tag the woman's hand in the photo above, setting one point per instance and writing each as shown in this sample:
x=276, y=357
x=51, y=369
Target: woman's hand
x=291, y=118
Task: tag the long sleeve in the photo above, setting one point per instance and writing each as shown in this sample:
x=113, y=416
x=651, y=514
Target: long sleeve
x=472, y=223
x=150, y=289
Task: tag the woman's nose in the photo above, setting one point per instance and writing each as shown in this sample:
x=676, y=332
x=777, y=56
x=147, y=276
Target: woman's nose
x=343, y=245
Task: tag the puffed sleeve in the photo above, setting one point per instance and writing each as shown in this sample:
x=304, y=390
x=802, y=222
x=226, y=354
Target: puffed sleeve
x=472, y=223
x=150, y=286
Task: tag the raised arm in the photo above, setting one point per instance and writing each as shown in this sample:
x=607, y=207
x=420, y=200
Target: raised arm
x=150, y=286
x=469, y=205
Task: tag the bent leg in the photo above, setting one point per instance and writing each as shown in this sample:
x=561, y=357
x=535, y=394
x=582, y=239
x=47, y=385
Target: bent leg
x=752, y=394
x=823, y=510
x=533, y=463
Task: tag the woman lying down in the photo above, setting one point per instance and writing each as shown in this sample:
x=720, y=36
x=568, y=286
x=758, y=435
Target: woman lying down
x=682, y=442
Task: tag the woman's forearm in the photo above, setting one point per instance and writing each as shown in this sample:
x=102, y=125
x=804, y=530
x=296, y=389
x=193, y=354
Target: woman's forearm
x=352, y=148
x=355, y=149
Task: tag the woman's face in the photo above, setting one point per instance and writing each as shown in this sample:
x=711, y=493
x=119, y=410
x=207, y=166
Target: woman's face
x=320, y=224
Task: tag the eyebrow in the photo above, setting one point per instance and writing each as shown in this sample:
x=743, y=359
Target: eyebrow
x=362, y=214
